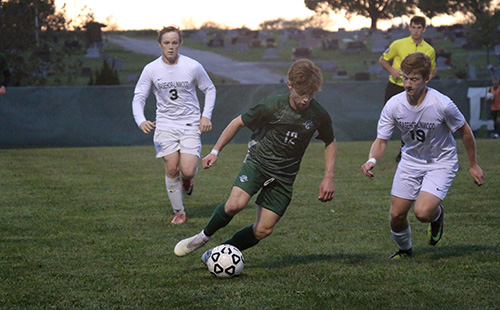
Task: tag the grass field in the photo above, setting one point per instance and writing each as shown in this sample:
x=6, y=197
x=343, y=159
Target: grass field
x=88, y=228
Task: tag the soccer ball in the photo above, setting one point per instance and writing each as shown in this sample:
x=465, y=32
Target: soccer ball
x=225, y=261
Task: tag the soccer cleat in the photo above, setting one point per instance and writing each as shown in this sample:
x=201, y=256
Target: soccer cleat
x=188, y=245
x=402, y=254
x=179, y=218
x=435, y=230
x=187, y=187
x=206, y=256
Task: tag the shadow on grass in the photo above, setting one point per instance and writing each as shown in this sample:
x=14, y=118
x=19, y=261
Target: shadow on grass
x=458, y=250
x=200, y=211
x=294, y=260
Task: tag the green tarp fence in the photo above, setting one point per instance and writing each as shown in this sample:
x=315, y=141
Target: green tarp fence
x=102, y=116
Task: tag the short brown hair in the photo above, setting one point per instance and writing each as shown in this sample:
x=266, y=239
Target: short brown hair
x=305, y=77
x=419, y=20
x=417, y=63
x=170, y=29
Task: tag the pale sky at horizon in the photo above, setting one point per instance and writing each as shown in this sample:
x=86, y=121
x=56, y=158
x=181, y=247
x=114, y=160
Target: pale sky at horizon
x=154, y=14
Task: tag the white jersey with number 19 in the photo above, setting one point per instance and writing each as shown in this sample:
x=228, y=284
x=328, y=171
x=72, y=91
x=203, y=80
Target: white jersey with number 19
x=426, y=130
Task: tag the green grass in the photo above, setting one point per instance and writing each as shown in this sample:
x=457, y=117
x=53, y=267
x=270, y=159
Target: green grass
x=88, y=228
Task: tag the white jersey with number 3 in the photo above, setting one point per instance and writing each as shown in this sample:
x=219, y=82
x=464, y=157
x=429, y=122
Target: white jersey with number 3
x=174, y=87
x=426, y=130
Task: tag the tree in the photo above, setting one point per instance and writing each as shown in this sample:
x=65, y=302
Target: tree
x=106, y=76
x=34, y=38
x=469, y=8
x=433, y=8
x=374, y=9
x=485, y=31
x=314, y=21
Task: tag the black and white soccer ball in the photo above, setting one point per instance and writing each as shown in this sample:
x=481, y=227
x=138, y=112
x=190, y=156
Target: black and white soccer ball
x=225, y=261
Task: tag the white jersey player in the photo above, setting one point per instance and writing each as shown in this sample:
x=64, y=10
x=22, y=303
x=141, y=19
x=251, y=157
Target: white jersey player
x=173, y=79
x=427, y=120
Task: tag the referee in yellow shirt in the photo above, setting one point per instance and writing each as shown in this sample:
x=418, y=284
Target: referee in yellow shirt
x=401, y=48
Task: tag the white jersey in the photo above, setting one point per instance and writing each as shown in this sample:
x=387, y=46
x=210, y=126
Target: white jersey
x=174, y=87
x=426, y=130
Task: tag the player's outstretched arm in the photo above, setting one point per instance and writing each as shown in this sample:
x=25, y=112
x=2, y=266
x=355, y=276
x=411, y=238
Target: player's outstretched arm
x=376, y=151
x=226, y=136
x=327, y=186
x=470, y=148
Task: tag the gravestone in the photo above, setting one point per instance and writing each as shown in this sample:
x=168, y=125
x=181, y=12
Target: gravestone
x=330, y=44
x=270, y=53
x=215, y=42
x=362, y=76
x=441, y=63
x=472, y=72
x=341, y=74
x=301, y=52
x=93, y=52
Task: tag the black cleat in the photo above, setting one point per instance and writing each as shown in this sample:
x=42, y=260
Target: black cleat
x=401, y=254
x=435, y=230
x=187, y=187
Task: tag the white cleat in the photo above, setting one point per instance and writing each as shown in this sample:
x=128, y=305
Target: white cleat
x=188, y=245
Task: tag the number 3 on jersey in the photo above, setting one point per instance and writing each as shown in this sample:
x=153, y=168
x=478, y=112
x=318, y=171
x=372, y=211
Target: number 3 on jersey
x=174, y=94
x=418, y=135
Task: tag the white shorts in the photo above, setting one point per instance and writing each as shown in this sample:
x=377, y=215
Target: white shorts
x=186, y=141
x=412, y=178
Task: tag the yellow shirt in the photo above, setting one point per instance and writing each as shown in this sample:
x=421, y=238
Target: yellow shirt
x=401, y=48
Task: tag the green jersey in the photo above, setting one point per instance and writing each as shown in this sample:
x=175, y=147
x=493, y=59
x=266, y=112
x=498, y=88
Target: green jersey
x=282, y=134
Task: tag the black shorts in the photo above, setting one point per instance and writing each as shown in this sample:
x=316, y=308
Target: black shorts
x=391, y=90
x=495, y=115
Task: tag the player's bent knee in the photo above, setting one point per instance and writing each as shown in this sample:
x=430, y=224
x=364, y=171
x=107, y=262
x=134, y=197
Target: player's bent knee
x=398, y=217
x=172, y=172
x=423, y=217
x=261, y=233
x=233, y=208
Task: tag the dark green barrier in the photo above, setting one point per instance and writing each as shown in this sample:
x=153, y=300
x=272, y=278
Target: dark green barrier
x=102, y=116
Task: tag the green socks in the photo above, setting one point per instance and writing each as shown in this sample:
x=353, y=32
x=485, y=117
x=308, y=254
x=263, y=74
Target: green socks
x=219, y=219
x=243, y=239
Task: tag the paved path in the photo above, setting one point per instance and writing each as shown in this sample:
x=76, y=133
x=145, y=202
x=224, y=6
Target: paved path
x=243, y=72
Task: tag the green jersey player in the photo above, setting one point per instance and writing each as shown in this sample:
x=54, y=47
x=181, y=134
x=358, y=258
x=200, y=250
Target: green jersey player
x=283, y=126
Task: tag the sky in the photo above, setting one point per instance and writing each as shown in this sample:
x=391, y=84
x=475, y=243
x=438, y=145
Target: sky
x=154, y=14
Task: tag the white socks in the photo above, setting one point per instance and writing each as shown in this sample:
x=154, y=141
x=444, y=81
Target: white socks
x=440, y=211
x=174, y=190
x=402, y=239
x=203, y=236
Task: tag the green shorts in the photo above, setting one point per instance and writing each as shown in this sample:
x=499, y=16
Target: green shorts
x=274, y=195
